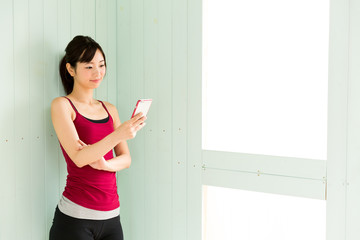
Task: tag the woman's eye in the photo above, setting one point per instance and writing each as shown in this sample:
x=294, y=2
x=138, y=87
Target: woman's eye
x=88, y=67
x=102, y=65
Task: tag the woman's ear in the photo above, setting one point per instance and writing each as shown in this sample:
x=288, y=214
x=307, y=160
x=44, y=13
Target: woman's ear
x=70, y=69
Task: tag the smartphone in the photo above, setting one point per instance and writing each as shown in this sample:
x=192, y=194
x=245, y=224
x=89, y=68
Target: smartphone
x=142, y=105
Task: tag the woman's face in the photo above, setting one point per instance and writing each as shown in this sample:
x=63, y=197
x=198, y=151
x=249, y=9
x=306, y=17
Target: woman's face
x=89, y=75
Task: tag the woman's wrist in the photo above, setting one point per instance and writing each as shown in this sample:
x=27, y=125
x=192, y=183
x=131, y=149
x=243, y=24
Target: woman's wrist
x=108, y=166
x=118, y=135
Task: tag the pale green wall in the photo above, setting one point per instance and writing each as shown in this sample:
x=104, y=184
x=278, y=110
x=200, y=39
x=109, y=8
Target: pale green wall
x=147, y=50
x=161, y=193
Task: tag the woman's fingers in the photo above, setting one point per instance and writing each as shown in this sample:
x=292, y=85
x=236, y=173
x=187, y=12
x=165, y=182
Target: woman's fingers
x=138, y=118
x=140, y=126
x=140, y=121
x=132, y=126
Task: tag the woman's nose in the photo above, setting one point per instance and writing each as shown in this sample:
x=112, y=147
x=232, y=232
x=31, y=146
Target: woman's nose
x=97, y=72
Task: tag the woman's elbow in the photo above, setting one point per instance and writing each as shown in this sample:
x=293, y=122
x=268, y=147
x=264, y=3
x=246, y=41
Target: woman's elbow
x=78, y=162
x=128, y=164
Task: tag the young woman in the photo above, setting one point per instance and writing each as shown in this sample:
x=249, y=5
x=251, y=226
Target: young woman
x=88, y=131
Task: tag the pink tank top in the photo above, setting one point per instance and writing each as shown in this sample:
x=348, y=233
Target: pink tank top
x=86, y=186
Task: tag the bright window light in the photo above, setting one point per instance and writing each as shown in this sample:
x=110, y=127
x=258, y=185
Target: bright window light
x=231, y=214
x=265, y=76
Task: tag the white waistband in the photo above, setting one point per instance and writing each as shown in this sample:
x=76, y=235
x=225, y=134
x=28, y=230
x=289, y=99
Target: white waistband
x=72, y=209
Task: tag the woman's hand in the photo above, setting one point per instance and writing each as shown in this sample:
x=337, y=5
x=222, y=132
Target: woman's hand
x=100, y=164
x=128, y=129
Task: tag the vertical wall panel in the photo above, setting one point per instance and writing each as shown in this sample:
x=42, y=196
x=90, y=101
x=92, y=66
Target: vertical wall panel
x=111, y=53
x=76, y=17
x=151, y=130
x=88, y=17
x=22, y=118
x=124, y=105
x=7, y=126
x=36, y=106
x=194, y=187
x=82, y=17
x=164, y=119
x=51, y=90
x=123, y=53
x=179, y=114
x=136, y=88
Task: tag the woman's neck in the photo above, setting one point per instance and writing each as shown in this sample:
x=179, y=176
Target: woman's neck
x=82, y=96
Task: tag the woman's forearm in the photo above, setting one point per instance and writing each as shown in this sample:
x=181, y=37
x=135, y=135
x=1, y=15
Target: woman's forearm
x=118, y=163
x=91, y=153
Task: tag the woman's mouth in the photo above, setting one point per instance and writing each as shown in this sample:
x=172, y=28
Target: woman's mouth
x=96, y=80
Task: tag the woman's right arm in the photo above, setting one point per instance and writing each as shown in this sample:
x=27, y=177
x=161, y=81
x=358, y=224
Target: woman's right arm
x=69, y=138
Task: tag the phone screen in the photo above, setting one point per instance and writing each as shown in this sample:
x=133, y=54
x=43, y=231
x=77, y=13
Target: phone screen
x=142, y=105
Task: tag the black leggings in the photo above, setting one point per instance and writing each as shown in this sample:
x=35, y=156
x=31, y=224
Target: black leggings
x=68, y=228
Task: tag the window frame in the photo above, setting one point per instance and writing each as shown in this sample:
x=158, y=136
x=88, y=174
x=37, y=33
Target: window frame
x=342, y=165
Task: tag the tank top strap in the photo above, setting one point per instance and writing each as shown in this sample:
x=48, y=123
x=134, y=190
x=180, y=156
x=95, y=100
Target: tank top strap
x=104, y=107
x=73, y=106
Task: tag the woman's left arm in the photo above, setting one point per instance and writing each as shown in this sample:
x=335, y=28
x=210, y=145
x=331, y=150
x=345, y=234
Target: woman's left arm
x=113, y=165
x=123, y=158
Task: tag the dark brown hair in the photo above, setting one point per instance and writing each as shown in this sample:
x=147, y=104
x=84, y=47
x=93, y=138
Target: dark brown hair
x=80, y=49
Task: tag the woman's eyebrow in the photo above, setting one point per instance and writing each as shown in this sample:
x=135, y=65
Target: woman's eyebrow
x=99, y=61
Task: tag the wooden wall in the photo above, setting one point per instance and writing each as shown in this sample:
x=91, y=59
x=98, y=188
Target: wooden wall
x=147, y=50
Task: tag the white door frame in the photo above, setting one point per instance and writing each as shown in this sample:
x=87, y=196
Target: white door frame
x=337, y=180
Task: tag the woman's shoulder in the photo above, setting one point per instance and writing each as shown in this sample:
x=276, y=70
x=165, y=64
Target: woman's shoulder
x=109, y=106
x=112, y=110
x=58, y=101
x=60, y=109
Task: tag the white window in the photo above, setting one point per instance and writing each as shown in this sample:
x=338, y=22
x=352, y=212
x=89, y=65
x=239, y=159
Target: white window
x=265, y=75
x=265, y=94
x=231, y=214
